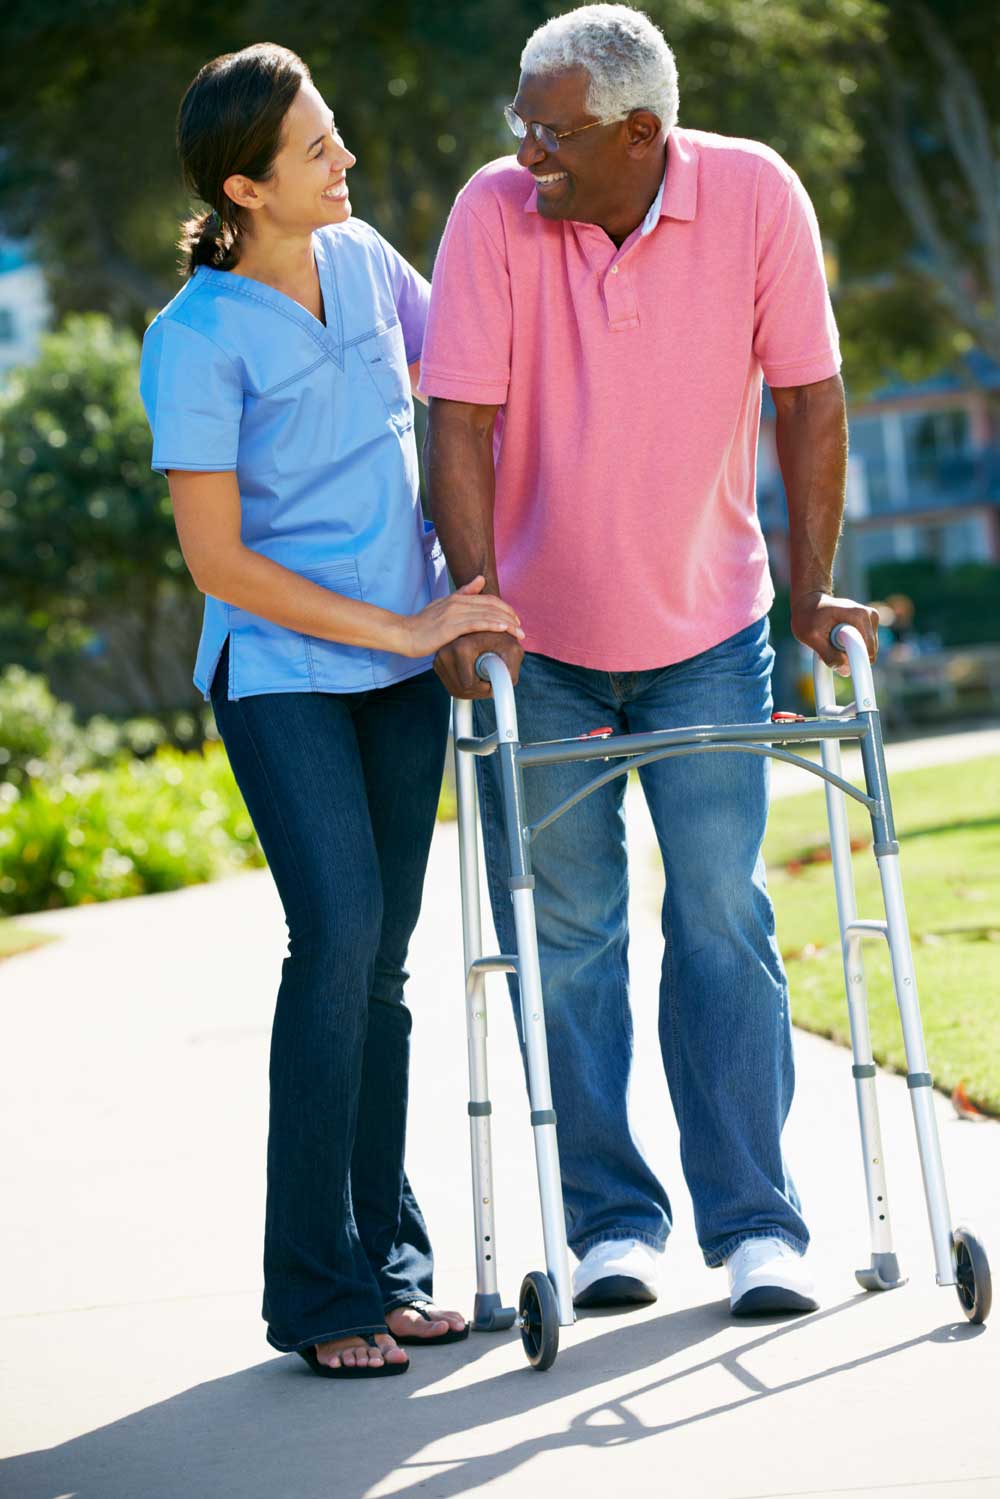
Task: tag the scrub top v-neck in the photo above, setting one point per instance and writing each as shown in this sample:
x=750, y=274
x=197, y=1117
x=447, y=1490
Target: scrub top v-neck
x=316, y=421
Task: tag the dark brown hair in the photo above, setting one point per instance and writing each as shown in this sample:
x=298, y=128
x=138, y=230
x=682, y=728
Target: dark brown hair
x=230, y=122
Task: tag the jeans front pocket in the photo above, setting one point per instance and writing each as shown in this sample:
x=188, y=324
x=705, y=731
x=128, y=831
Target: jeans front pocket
x=384, y=357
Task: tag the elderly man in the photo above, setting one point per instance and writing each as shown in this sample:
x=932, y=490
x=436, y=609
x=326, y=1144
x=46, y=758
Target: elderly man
x=604, y=308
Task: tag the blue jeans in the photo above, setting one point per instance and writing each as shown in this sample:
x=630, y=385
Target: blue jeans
x=343, y=792
x=725, y=1033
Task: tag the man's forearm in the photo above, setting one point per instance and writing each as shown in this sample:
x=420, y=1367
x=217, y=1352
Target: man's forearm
x=811, y=436
x=458, y=465
x=812, y=450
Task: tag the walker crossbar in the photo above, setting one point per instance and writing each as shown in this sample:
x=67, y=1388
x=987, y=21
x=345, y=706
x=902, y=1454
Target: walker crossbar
x=643, y=749
x=546, y=1299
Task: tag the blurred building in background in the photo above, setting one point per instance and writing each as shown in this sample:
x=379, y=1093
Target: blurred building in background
x=24, y=305
x=924, y=475
x=921, y=538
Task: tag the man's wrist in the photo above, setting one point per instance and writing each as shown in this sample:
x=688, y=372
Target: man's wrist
x=805, y=596
x=466, y=575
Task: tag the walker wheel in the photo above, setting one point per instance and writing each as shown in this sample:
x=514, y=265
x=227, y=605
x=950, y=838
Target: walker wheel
x=539, y=1317
x=972, y=1271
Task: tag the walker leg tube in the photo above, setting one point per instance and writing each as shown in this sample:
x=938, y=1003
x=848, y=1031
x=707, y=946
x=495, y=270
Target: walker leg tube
x=897, y=934
x=468, y=841
x=543, y=1118
x=883, y=1273
x=918, y=1077
x=905, y=986
x=488, y=1307
x=489, y=1313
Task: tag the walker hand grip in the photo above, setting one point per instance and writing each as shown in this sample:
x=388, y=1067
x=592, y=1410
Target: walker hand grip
x=846, y=638
x=481, y=671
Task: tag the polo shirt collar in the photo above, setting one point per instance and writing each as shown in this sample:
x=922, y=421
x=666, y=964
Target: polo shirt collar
x=678, y=194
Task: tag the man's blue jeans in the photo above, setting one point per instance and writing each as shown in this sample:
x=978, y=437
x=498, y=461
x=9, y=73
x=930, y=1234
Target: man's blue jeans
x=724, y=1025
x=343, y=793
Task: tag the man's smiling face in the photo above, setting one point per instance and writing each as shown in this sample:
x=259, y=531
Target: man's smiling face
x=581, y=180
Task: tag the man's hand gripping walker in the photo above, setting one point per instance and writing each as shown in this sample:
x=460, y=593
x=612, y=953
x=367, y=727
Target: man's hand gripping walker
x=546, y=1302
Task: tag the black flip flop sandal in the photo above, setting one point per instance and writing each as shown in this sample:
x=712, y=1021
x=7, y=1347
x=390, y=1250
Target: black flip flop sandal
x=354, y=1371
x=413, y=1340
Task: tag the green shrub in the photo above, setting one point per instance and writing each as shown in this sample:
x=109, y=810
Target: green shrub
x=40, y=739
x=38, y=734
x=141, y=827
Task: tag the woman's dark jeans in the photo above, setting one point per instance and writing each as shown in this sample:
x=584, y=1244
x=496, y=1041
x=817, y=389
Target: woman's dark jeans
x=343, y=792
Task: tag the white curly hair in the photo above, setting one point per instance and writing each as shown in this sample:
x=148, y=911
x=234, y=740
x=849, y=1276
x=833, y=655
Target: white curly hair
x=626, y=55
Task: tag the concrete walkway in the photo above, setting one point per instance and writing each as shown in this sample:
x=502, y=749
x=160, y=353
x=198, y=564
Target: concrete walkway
x=132, y=1359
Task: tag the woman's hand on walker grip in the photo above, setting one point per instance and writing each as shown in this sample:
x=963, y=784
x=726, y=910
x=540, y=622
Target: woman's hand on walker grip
x=816, y=614
x=466, y=611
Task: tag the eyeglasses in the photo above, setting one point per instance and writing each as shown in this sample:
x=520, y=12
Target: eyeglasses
x=544, y=134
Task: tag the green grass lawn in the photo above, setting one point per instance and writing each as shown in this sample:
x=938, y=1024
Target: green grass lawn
x=948, y=826
x=15, y=939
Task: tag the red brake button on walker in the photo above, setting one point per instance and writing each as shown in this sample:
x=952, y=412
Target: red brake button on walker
x=597, y=733
x=788, y=717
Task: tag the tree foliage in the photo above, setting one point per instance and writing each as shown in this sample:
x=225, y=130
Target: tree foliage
x=920, y=250
x=887, y=108
x=88, y=99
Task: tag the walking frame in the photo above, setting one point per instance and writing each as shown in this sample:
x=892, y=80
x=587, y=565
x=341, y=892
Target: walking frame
x=546, y=1302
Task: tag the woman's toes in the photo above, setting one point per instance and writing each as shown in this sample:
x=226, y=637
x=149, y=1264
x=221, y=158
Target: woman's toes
x=405, y=1320
x=453, y=1321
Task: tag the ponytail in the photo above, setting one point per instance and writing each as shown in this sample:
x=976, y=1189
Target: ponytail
x=207, y=239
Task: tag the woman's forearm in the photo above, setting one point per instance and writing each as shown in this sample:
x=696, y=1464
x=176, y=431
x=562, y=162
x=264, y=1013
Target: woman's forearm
x=208, y=514
x=249, y=581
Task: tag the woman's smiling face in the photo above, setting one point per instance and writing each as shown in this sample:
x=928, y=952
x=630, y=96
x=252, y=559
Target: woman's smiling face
x=307, y=187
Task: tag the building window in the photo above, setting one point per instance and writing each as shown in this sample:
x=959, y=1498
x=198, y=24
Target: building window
x=937, y=449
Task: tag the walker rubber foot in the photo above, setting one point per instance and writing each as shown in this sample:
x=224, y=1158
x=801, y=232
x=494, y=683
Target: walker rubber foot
x=882, y=1275
x=489, y=1315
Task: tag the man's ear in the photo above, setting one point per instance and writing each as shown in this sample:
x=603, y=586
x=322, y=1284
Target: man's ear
x=643, y=129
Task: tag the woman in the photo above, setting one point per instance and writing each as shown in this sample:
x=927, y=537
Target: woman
x=277, y=389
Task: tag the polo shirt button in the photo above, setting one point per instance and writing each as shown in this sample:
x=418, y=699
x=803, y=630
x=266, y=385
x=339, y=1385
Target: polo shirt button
x=614, y=270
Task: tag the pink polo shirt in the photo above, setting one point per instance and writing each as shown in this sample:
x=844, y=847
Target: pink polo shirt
x=630, y=383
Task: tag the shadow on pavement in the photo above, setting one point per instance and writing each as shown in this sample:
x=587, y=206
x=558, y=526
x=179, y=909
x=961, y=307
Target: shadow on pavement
x=275, y=1430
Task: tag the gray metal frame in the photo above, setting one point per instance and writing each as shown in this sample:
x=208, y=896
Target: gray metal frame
x=624, y=752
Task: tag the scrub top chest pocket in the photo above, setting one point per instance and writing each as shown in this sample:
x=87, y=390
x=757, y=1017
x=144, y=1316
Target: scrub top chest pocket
x=383, y=354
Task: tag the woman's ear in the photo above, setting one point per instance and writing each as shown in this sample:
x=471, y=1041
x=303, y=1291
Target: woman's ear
x=243, y=192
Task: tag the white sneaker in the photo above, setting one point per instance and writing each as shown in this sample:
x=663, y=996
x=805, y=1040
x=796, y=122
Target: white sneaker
x=767, y=1275
x=618, y=1272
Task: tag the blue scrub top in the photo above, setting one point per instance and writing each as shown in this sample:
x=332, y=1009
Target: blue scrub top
x=317, y=424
